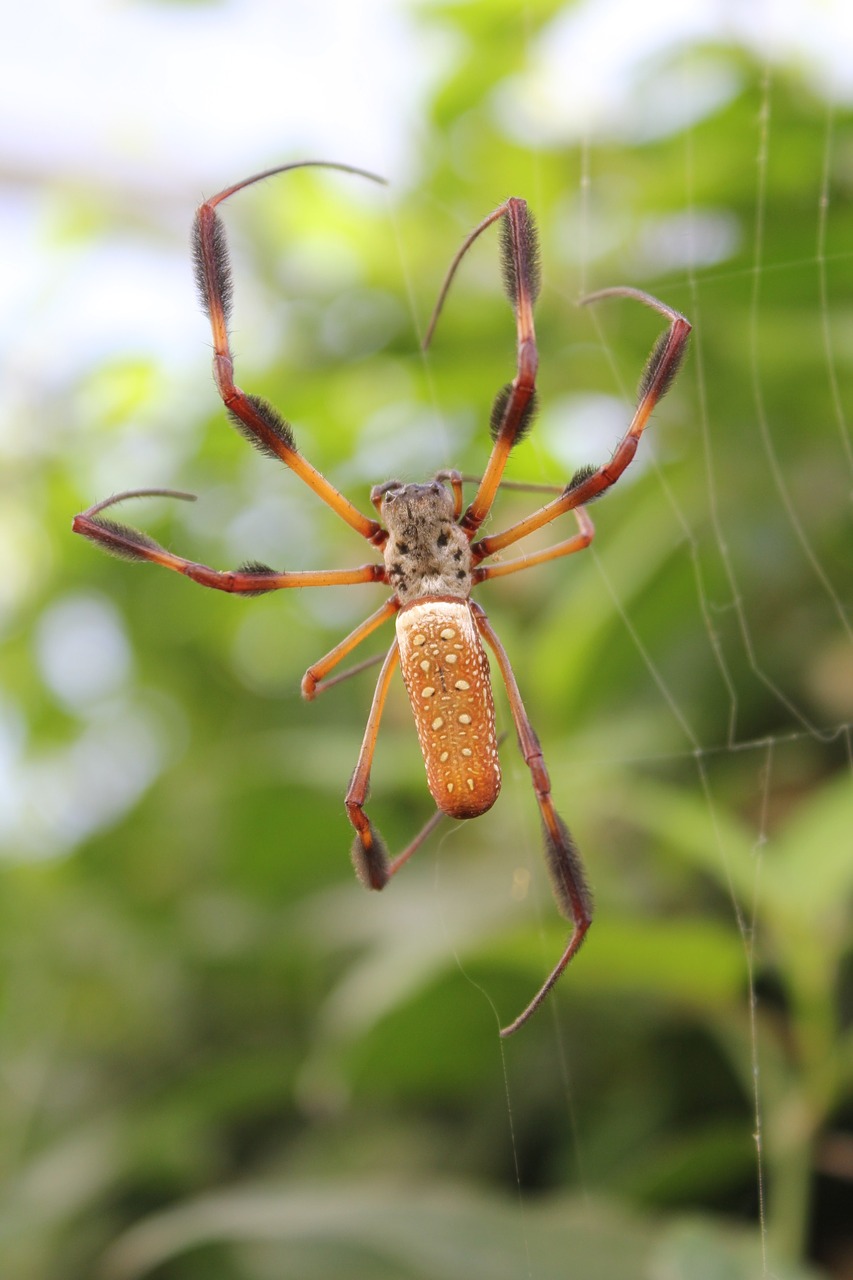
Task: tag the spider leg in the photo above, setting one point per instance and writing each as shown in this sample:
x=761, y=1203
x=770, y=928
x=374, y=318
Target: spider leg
x=426, y=830
x=454, y=479
x=369, y=854
x=257, y=420
x=314, y=681
x=564, y=862
x=580, y=541
x=590, y=482
x=250, y=579
x=412, y=847
x=515, y=404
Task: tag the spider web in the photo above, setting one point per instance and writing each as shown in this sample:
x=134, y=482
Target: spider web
x=735, y=636
x=797, y=723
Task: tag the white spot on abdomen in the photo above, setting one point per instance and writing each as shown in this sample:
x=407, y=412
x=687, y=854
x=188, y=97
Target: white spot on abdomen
x=454, y=713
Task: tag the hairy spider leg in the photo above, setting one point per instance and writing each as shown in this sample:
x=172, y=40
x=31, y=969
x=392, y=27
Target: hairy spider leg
x=590, y=482
x=369, y=854
x=564, y=861
x=249, y=580
x=515, y=404
x=580, y=541
x=257, y=420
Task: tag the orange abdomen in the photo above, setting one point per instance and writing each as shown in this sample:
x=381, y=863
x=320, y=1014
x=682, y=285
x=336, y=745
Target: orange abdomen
x=446, y=673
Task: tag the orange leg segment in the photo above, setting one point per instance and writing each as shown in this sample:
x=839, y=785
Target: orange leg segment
x=581, y=540
x=564, y=863
x=314, y=681
x=254, y=417
x=514, y=405
x=369, y=855
x=250, y=580
x=589, y=483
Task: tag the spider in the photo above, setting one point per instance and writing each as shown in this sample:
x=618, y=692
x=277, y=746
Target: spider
x=432, y=559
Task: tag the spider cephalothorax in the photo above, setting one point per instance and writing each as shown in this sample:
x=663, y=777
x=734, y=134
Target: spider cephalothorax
x=432, y=562
x=426, y=554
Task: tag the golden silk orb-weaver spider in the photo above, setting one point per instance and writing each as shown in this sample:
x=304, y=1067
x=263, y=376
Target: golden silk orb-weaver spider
x=431, y=558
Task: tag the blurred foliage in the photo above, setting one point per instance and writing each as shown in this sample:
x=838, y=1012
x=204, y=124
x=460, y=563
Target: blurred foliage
x=221, y=1057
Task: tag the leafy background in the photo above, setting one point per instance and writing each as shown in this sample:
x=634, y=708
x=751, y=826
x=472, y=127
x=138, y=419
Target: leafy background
x=220, y=1056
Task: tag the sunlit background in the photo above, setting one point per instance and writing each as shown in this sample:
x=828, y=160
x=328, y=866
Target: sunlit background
x=220, y=1056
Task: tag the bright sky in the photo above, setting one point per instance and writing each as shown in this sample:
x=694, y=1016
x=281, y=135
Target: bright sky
x=199, y=90
x=170, y=101
x=187, y=92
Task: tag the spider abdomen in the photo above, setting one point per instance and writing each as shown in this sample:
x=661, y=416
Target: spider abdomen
x=446, y=673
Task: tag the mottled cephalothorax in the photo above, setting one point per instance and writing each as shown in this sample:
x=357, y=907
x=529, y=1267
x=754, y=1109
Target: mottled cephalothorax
x=426, y=554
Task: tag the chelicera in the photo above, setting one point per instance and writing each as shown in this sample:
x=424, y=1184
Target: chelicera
x=432, y=559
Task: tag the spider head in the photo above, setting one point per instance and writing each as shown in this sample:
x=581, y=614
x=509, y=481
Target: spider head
x=403, y=505
x=426, y=552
